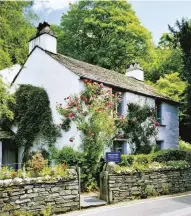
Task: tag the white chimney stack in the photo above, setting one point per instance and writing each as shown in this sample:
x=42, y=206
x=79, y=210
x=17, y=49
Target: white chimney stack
x=135, y=71
x=44, y=38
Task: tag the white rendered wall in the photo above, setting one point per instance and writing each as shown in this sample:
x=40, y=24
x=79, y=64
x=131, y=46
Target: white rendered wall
x=169, y=129
x=43, y=71
x=168, y=132
x=135, y=98
x=45, y=41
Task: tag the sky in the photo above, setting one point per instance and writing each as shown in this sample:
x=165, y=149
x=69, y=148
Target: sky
x=154, y=15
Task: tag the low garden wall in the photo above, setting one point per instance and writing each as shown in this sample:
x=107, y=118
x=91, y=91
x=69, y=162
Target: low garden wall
x=127, y=185
x=35, y=194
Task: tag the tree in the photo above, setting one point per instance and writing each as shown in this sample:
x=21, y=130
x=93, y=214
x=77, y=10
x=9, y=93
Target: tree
x=165, y=60
x=182, y=39
x=106, y=33
x=171, y=85
x=16, y=28
x=5, y=99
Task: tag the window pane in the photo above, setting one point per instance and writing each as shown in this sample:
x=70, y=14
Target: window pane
x=159, y=112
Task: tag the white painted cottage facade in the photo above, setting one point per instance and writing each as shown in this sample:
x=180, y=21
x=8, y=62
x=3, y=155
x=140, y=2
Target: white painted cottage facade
x=62, y=76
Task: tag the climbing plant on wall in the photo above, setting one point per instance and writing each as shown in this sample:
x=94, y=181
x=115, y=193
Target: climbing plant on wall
x=141, y=128
x=93, y=113
x=33, y=118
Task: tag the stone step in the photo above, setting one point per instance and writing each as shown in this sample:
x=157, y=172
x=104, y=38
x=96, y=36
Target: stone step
x=91, y=201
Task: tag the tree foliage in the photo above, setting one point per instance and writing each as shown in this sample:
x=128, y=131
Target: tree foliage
x=5, y=99
x=16, y=28
x=171, y=85
x=165, y=60
x=182, y=39
x=106, y=33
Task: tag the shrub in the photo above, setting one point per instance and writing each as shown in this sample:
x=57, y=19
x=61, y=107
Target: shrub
x=168, y=155
x=188, y=157
x=157, y=159
x=126, y=160
x=60, y=170
x=69, y=156
x=45, y=171
x=6, y=172
x=181, y=163
x=185, y=146
x=37, y=164
x=143, y=159
x=139, y=166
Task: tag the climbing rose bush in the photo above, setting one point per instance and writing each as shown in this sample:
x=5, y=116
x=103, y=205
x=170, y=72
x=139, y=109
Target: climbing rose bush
x=94, y=113
x=141, y=128
x=95, y=102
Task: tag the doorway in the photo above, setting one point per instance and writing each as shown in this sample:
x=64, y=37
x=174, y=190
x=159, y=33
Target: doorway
x=9, y=154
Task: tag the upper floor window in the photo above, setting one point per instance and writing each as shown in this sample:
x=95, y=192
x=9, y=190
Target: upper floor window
x=158, y=112
x=118, y=107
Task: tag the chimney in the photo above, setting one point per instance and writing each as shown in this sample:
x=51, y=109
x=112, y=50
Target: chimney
x=43, y=38
x=134, y=70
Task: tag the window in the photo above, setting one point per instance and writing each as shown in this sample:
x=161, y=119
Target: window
x=118, y=146
x=118, y=107
x=159, y=144
x=158, y=112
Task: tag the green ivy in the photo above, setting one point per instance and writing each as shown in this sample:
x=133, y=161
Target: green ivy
x=33, y=118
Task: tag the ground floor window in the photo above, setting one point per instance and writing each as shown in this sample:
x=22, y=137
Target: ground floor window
x=119, y=146
x=9, y=155
x=159, y=144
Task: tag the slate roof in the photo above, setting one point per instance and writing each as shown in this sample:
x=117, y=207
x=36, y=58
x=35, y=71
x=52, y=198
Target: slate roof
x=109, y=77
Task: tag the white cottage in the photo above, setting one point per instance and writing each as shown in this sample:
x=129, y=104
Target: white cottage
x=62, y=76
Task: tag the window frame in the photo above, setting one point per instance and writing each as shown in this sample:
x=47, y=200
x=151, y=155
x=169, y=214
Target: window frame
x=119, y=108
x=158, y=105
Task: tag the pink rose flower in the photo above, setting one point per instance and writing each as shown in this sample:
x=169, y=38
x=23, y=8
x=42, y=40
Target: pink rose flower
x=101, y=85
x=157, y=123
x=134, y=119
x=71, y=115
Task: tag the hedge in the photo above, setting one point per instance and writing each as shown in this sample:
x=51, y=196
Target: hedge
x=159, y=156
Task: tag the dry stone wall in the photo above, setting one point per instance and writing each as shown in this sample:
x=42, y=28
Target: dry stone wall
x=116, y=187
x=35, y=194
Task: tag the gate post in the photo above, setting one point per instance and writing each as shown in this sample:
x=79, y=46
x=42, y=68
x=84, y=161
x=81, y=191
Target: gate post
x=79, y=184
x=104, y=186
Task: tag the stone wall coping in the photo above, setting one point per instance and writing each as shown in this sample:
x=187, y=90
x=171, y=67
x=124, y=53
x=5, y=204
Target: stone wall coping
x=72, y=175
x=129, y=171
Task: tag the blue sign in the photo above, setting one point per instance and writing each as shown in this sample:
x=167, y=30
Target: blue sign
x=113, y=157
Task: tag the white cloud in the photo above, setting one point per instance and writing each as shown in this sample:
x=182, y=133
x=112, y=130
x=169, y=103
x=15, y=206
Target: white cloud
x=51, y=4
